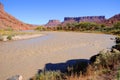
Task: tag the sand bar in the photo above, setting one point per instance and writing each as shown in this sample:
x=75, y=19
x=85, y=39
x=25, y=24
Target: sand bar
x=26, y=36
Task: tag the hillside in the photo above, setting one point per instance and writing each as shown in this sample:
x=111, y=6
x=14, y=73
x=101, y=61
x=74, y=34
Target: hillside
x=114, y=19
x=8, y=21
x=53, y=23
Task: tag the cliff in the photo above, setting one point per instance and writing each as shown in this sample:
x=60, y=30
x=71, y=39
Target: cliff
x=53, y=23
x=1, y=6
x=8, y=21
x=85, y=19
x=113, y=20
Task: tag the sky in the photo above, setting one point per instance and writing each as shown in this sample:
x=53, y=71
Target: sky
x=41, y=11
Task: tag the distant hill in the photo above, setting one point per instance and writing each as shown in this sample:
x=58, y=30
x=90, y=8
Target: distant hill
x=53, y=23
x=8, y=21
x=96, y=19
x=85, y=19
x=114, y=19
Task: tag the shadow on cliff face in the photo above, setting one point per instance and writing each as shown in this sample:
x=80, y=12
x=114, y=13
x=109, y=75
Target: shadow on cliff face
x=70, y=66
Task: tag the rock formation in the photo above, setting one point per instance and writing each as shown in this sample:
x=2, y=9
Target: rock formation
x=1, y=6
x=53, y=23
x=8, y=21
x=96, y=19
x=113, y=20
x=85, y=19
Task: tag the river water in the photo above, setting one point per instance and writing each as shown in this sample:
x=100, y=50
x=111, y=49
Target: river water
x=25, y=57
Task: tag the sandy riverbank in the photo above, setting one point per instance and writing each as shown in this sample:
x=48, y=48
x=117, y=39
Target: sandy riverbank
x=26, y=36
x=20, y=37
x=25, y=57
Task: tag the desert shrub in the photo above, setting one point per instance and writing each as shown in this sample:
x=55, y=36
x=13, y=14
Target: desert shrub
x=117, y=46
x=80, y=68
x=93, y=58
x=48, y=75
x=118, y=74
x=107, y=59
x=40, y=28
x=9, y=28
x=117, y=39
x=115, y=31
x=83, y=26
x=59, y=28
x=117, y=25
x=9, y=37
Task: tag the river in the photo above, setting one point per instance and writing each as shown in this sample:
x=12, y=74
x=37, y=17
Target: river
x=25, y=57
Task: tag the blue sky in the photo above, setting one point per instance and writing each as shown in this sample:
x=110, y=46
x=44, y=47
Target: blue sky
x=40, y=11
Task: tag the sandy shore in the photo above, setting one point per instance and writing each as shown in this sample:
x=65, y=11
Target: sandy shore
x=25, y=57
x=21, y=37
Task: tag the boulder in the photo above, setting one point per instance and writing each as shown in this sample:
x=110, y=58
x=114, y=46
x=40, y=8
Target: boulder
x=16, y=77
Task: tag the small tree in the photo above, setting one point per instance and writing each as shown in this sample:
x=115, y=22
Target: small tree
x=117, y=25
x=40, y=28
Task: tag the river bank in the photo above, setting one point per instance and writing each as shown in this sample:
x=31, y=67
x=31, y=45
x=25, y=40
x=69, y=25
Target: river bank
x=18, y=35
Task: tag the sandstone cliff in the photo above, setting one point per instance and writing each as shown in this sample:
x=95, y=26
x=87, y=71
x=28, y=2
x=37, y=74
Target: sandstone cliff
x=53, y=23
x=97, y=19
x=8, y=21
x=86, y=19
x=113, y=20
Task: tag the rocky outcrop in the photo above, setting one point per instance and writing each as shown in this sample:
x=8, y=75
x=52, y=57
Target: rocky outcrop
x=85, y=19
x=1, y=6
x=53, y=23
x=113, y=20
x=8, y=21
x=96, y=19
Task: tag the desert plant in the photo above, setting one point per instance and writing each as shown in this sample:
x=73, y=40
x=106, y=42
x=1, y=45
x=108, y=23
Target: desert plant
x=117, y=46
x=49, y=75
x=118, y=74
x=117, y=25
x=80, y=68
x=117, y=39
x=9, y=37
x=108, y=59
x=9, y=28
x=40, y=28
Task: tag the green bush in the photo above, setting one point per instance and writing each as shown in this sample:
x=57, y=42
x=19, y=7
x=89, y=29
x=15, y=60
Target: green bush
x=117, y=39
x=108, y=59
x=40, y=28
x=48, y=75
x=9, y=37
x=9, y=28
x=117, y=25
x=118, y=74
x=80, y=68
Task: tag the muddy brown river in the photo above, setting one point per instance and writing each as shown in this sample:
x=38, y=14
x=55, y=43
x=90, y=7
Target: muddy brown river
x=25, y=57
